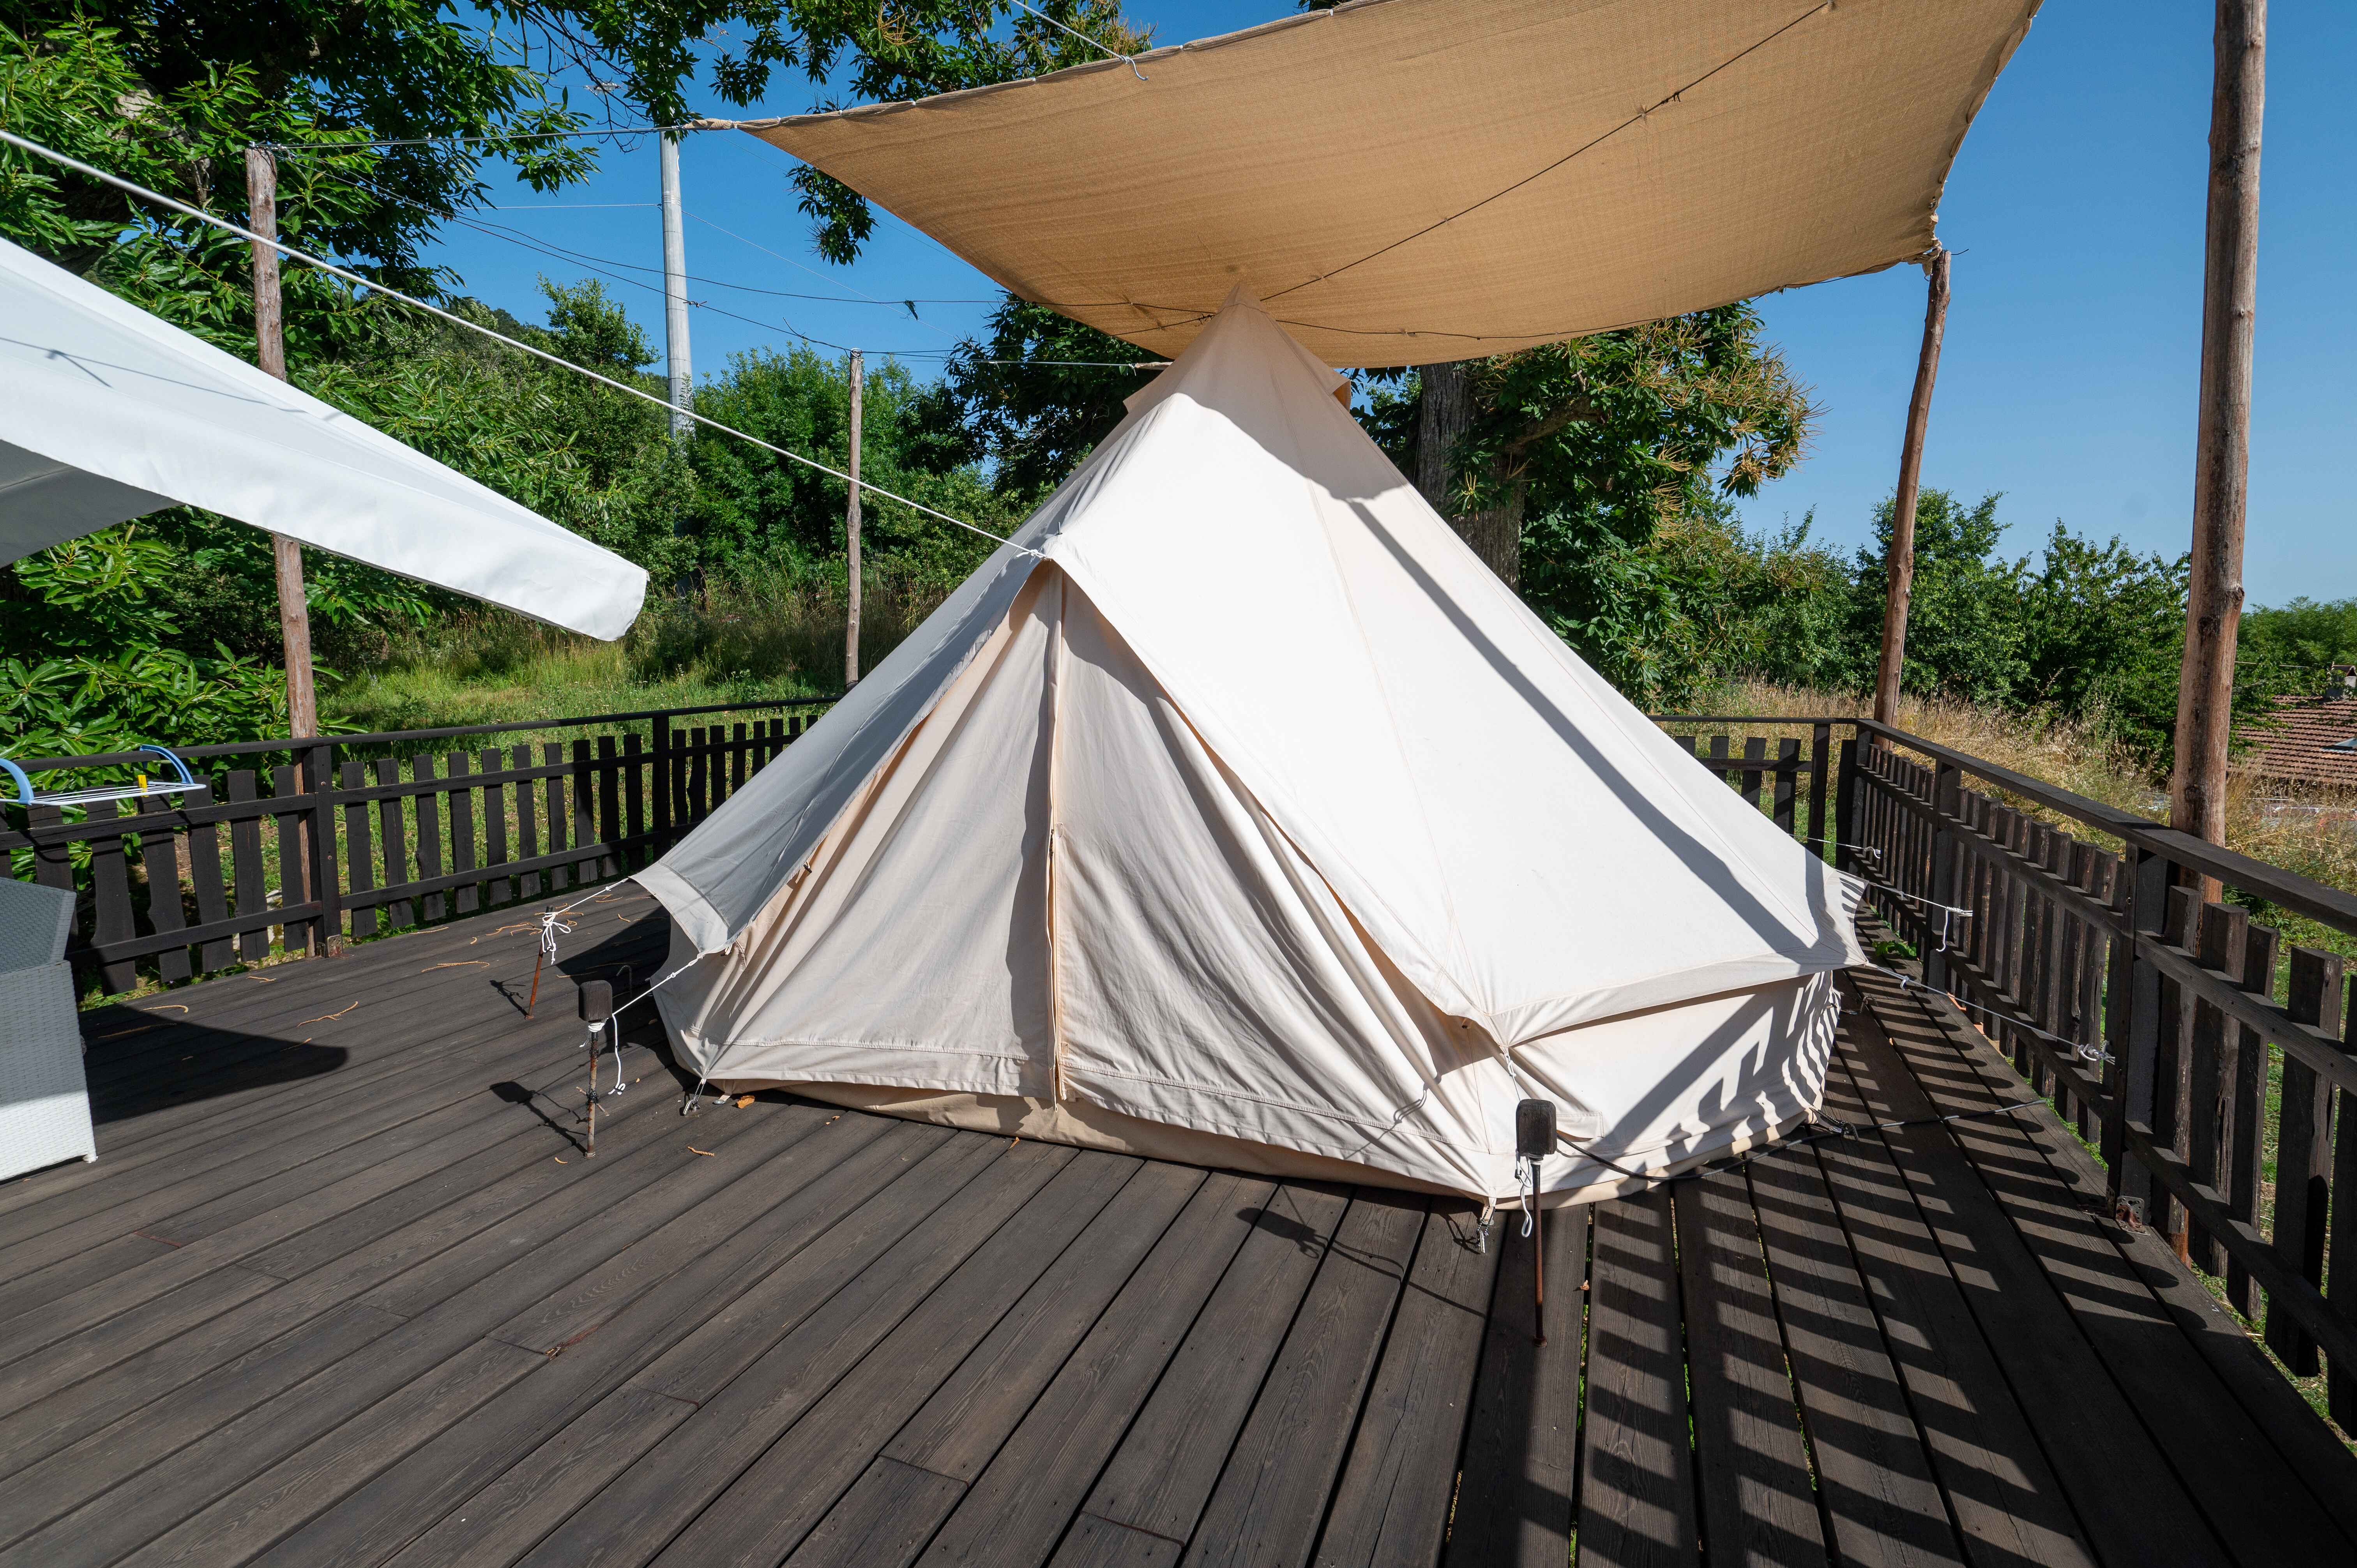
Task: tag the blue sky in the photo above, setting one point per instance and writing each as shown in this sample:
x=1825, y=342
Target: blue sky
x=2073, y=337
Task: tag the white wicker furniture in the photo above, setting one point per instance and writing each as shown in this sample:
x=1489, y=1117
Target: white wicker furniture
x=44, y=1103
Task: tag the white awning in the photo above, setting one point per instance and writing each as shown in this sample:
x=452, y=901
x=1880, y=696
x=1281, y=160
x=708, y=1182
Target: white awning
x=1407, y=182
x=107, y=413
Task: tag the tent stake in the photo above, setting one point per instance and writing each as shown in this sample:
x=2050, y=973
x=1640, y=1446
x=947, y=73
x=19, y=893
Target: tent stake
x=1538, y=1273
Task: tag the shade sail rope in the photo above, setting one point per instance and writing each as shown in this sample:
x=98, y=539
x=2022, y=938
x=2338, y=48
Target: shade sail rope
x=1540, y=174
x=13, y=139
x=1129, y=60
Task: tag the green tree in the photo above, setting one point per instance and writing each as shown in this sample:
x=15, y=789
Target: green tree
x=2293, y=648
x=760, y=511
x=1965, y=626
x=2103, y=637
x=1033, y=397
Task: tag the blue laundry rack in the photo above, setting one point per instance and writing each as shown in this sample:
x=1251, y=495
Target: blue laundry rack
x=146, y=785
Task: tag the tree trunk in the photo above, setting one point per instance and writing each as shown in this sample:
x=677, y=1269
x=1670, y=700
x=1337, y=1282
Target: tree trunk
x=1445, y=413
x=2213, y=608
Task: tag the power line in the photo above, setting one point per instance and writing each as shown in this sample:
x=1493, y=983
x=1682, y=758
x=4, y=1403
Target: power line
x=331, y=268
x=597, y=263
x=681, y=129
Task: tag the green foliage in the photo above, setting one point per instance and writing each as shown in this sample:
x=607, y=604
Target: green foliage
x=760, y=512
x=1612, y=435
x=1964, y=624
x=2294, y=647
x=1700, y=601
x=2104, y=637
x=100, y=681
x=1034, y=398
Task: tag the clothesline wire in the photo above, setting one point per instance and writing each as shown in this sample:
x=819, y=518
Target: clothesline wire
x=27, y=144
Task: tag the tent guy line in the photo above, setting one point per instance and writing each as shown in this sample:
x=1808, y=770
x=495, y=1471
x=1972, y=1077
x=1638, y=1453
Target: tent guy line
x=1542, y=173
x=13, y=139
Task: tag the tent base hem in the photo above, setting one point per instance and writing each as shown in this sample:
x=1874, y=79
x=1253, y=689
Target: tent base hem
x=1087, y=1126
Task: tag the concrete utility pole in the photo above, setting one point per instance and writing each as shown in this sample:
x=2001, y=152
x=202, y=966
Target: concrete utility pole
x=2222, y=453
x=1898, y=566
x=269, y=353
x=851, y=532
x=682, y=375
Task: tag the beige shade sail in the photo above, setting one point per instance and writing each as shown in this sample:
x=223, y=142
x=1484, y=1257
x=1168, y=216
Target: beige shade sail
x=1410, y=181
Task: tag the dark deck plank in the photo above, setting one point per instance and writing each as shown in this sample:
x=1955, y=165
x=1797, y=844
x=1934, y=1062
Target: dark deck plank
x=740, y=1410
x=1266, y=1507
x=2103, y=1458
x=1636, y=1486
x=2008, y=1505
x=521, y=1464
x=1391, y=1506
x=1023, y=1473
x=1164, y=1470
x=1875, y=1477
x=554, y=1248
x=774, y=1502
x=1522, y=1449
x=1759, y=1502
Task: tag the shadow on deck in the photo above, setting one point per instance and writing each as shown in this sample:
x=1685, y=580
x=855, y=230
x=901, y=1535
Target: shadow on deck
x=344, y=1288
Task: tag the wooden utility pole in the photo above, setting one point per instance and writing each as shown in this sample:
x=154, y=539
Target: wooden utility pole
x=2222, y=454
x=851, y=532
x=314, y=858
x=1898, y=566
x=269, y=353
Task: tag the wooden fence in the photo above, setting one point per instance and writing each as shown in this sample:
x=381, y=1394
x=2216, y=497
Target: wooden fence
x=413, y=829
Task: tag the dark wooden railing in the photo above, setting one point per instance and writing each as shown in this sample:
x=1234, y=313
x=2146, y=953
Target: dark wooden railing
x=412, y=830
x=2183, y=1040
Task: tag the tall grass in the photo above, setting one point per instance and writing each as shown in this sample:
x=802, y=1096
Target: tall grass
x=730, y=641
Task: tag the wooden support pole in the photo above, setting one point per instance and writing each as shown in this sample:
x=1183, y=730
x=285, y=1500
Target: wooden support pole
x=1899, y=564
x=851, y=532
x=2213, y=609
x=269, y=353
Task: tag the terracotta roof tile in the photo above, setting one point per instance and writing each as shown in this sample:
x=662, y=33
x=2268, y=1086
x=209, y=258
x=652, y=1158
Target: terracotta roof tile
x=2311, y=739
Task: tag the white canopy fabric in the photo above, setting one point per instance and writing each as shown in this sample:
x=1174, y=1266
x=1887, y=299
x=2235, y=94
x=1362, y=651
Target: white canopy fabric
x=107, y=413
x=1234, y=811
x=1405, y=182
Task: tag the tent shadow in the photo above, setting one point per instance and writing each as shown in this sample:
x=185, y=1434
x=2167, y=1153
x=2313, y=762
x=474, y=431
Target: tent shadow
x=135, y=1068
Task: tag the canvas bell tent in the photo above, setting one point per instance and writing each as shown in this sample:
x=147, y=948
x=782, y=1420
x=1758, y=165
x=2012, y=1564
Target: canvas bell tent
x=1234, y=814
x=108, y=412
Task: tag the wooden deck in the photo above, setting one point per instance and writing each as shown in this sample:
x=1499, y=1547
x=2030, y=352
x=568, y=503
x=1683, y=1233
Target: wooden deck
x=343, y=1289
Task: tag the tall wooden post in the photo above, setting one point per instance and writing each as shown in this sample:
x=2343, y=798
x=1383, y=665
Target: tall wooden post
x=1899, y=564
x=851, y=532
x=269, y=353
x=2213, y=610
